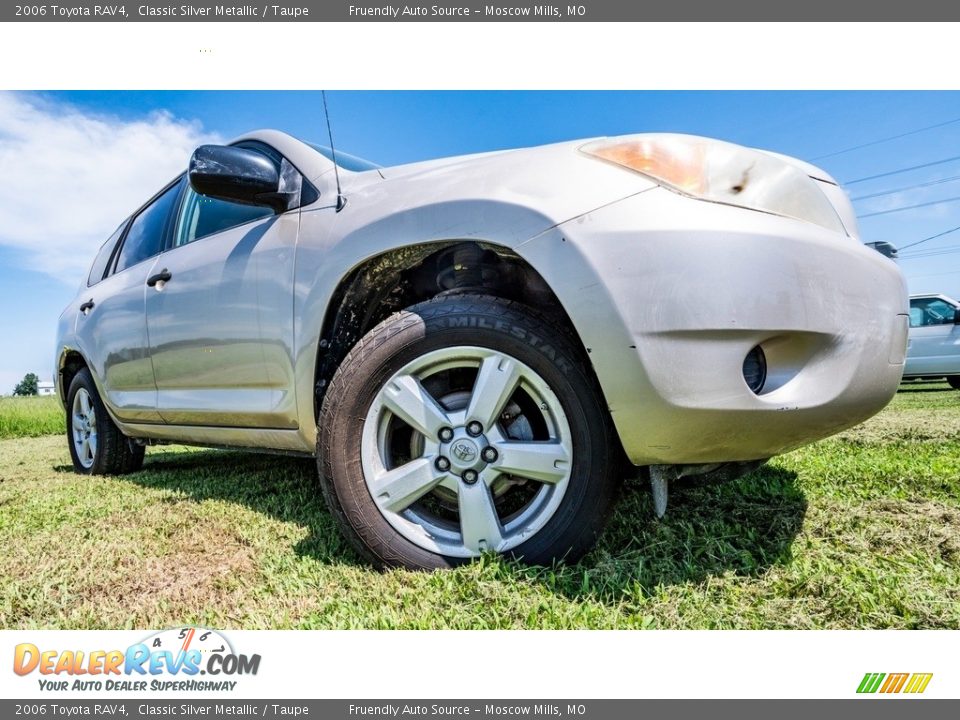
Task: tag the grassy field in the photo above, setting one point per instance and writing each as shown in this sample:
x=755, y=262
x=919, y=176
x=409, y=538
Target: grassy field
x=858, y=531
x=30, y=417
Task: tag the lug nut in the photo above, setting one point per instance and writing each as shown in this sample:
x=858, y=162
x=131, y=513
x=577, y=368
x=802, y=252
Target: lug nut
x=446, y=434
x=442, y=464
x=469, y=476
x=474, y=428
x=489, y=455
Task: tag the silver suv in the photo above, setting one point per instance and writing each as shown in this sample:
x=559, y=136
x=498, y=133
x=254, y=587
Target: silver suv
x=934, y=342
x=476, y=348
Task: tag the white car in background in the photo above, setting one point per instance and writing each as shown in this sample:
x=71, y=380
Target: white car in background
x=933, y=350
x=474, y=348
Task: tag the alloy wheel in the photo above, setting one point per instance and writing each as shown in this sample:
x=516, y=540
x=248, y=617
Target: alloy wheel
x=466, y=449
x=83, y=424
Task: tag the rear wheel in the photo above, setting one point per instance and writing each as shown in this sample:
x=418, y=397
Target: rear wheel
x=466, y=425
x=97, y=447
x=954, y=381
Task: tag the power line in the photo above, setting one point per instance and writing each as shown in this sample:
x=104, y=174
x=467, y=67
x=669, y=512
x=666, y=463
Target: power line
x=903, y=170
x=931, y=253
x=936, y=274
x=932, y=237
x=910, y=207
x=907, y=187
x=887, y=139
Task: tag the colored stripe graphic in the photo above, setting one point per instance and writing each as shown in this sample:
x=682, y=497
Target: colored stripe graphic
x=870, y=682
x=894, y=683
x=918, y=683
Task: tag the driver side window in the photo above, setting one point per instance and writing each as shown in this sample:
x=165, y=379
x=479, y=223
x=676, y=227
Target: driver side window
x=930, y=311
x=201, y=216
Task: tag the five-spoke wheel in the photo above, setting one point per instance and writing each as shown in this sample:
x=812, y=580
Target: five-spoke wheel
x=466, y=449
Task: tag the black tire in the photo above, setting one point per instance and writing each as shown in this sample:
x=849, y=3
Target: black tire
x=115, y=453
x=954, y=381
x=506, y=327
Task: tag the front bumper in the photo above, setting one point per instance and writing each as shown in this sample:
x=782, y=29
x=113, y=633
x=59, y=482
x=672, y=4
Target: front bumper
x=669, y=294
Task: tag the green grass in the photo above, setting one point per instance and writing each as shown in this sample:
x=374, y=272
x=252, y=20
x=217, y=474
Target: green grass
x=858, y=531
x=30, y=417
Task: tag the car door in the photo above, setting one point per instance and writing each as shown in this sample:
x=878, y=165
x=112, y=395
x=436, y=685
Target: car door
x=220, y=318
x=111, y=325
x=934, y=338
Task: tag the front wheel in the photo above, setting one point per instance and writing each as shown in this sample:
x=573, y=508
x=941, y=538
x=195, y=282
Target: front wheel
x=97, y=447
x=466, y=425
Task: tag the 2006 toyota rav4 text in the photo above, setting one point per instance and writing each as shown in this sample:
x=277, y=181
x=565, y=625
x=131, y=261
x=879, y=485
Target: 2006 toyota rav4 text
x=474, y=347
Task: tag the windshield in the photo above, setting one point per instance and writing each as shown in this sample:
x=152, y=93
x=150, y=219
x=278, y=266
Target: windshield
x=345, y=160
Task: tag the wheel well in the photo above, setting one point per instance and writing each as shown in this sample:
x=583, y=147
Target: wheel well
x=71, y=363
x=400, y=278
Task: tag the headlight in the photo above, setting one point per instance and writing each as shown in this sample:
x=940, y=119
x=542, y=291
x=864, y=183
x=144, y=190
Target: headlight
x=721, y=172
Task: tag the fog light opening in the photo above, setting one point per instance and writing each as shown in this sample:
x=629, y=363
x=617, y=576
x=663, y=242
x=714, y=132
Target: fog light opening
x=755, y=369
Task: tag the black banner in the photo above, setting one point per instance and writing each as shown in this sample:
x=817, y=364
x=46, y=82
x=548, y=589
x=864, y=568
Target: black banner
x=482, y=11
x=853, y=709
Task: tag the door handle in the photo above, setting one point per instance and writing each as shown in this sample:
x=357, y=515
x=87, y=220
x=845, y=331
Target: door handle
x=87, y=306
x=162, y=276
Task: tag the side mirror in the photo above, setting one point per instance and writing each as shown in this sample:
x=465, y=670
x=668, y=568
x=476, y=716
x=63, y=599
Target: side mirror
x=956, y=316
x=238, y=175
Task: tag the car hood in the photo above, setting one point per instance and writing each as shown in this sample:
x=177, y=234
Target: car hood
x=428, y=166
x=444, y=165
x=543, y=177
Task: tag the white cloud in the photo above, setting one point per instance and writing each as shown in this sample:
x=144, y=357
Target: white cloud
x=68, y=177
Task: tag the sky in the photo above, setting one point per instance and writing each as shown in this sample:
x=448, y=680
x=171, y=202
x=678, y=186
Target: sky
x=74, y=164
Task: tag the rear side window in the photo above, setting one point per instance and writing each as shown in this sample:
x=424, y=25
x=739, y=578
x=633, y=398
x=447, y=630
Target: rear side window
x=99, y=268
x=148, y=230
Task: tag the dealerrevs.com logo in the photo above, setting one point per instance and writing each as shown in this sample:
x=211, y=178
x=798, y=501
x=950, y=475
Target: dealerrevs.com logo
x=180, y=659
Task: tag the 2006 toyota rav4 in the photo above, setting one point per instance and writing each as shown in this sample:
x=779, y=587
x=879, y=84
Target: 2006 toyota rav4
x=473, y=347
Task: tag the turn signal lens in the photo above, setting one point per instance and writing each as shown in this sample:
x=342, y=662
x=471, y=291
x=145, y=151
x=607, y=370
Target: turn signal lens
x=678, y=164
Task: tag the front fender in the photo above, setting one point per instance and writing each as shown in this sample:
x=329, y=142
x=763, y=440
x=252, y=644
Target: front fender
x=325, y=257
x=502, y=199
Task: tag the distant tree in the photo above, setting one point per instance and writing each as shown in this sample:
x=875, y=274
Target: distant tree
x=27, y=386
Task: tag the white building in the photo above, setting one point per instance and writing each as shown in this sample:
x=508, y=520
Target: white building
x=45, y=387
